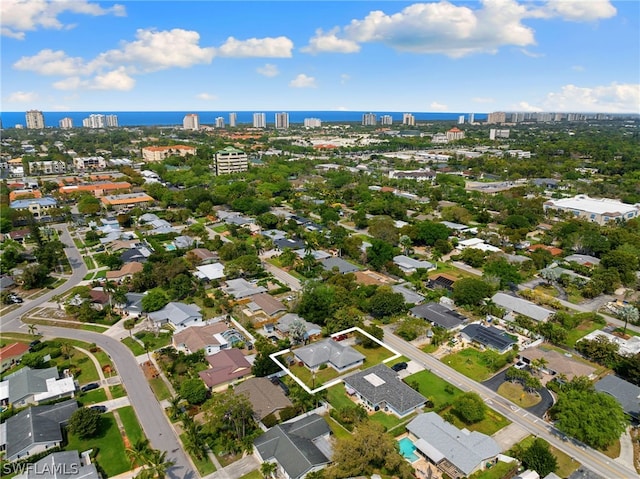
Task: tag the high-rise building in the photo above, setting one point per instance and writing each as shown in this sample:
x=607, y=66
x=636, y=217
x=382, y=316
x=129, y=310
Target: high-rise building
x=220, y=122
x=191, y=121
x=455, y=134
x=461, y=120
x=369, y=119
x=282, y=121
x=498, y=133
x=312, y=122
x=497, y=117
x=408, y=119
x=472, y=118
x=259, y=120
x=66, y=123
x=231, y=160
x=35, y=120
x=386, y=120
x=94, y=121
x=112, y=121
x=233, y=119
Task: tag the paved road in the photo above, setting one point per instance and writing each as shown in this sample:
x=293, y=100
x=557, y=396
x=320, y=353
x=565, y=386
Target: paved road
x=283, y=276
x=546, y=399
x=590, y=458
x=150, y=414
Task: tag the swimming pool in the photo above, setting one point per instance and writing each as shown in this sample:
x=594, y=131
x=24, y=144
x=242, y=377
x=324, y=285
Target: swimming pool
x=170, y=247
x=407, y=449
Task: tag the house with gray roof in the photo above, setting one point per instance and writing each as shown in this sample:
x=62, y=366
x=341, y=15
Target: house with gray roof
x=241, y=288
x=133, y=306
x=318, y=255
x=284, y=325
x=179, y=315
x=380, y=389
x=331, y=353
x=456, y=452
x=515, y=305
x=627, y=394
x=343, y=266
x=290, y=243
x=583, y=259
x=37, y=428
x=409, y=265
x=439, y=315
x=62, y=465
x=490, y=337
x=297, y=447
x=183, y=242
x=410, y=296
x=29, y=386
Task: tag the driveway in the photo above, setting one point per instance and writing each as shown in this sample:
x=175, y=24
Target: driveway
x=538, y=410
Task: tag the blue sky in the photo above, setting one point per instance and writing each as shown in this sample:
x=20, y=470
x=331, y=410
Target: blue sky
x=480, y=56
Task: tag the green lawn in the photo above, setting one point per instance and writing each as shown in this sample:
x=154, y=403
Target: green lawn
x=437, y=390
x=337, y=430
x=155, y=342
x=337, y=397
x=131, y=424
x=322, y=376
x=92, y=397
x=204, y=466
x=159, y=388
x=475, y=364
x=85, y=370
x=491, y=424
x=117, y=391
x=253, y=475
x=96, y=328
x=220, y=228
x=373, y=356
x=391, y=421
x=584, y=328
x=498, y=471
x=109, y=446
x=135, y=347
x=566, y=464
x=515, y=393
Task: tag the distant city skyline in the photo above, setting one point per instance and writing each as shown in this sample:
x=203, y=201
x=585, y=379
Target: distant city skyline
x=486, y=56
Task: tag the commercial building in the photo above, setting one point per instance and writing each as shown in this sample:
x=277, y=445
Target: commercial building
x=231, y=160
x=35, y=120
x=96, y=189
x=497, y=117
x=233, y=120
x=598, y=210
x=282, y=121
x=159, y=153
x=369, y=119
x=191, y=121
x=66, y=123
x=408, y=119
x=259, y=120
x=130, y=200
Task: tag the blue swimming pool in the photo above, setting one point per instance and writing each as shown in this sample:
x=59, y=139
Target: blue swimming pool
x=170, y=247
x=407, y=449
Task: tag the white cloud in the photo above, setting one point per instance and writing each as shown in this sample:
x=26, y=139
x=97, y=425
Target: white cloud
x=269, y=70
x=479, y=99
x=206, y=97
x=158, y=50
x=22, y=97
x=49, y=62
x=20, y=16
x=528, y=53
x=70, y=83
x=613, y=98
x=303, y=81
x=341, y=108
x=279, y=47
x=525, y=106
x=580, y=10
x=329, y=42
x=113, y=80
x=435, y=106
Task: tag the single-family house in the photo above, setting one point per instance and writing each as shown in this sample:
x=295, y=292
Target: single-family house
x=626, y=393
x=318, y=255
x=195, y=338
x=489, y=337
x=331, y=353
x=283, y=326
x=298, y=447
x=283, y=243
x=343, y=267
x=210, y=272
x=582, y=259
x=62, y=465
x=241, y=288
x=556, y=364
x=265, y=396
x=30, y=386
x=626, y=347
x=456, y=452
x=443, y=281
x=439, y=315
x=409, y=265
x=183, y=242
x=266, y=304
x=127, y=271
x=133, y=305
x=6, y=282
x=202, y=255
x=37, y=428
x=227, y=366
x=179, y=315
x=11, y=354
x=408, y=293
x=515, y=305
x=380, y=389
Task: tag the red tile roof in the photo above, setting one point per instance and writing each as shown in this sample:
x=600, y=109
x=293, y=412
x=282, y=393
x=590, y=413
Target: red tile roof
x=13, y=350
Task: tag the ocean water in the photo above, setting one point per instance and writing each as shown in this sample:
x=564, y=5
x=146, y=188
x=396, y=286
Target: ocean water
x=173, y=118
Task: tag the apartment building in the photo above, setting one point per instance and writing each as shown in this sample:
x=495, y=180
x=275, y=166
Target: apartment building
x=408, y=119
x=386, y=120
x=282, y=121
x=66, y=123
x=38, y=207
x=499, y=133
x=455, y=134
x=219, y=122
x=312, y=122
x=47, y=167
x=96, y=189
x=159, y=153
x=233, y=119
x=35, y=120
x=231, y=160
x=369, y=119
x=89, y=163
x=259, y=120
x=191, y=121
x=497, y=117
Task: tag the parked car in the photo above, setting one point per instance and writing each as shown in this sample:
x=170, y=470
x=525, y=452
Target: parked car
x=14, y=298
x=100, y=409
x=33, y=345
x=399, y=367
x=89, y=387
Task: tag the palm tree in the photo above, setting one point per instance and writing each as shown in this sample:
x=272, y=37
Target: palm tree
x=628, y=313
x=268, y=469
x=138, y=452
x=157, y=465
x=174, y=407
x=33, y=329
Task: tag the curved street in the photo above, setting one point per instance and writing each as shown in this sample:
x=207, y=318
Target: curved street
x=150, y=414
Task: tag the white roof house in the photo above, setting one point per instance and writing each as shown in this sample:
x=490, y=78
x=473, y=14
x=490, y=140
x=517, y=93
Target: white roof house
x=210, y=271
x=521, y=306
x=626, y=347
x=409, y=265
